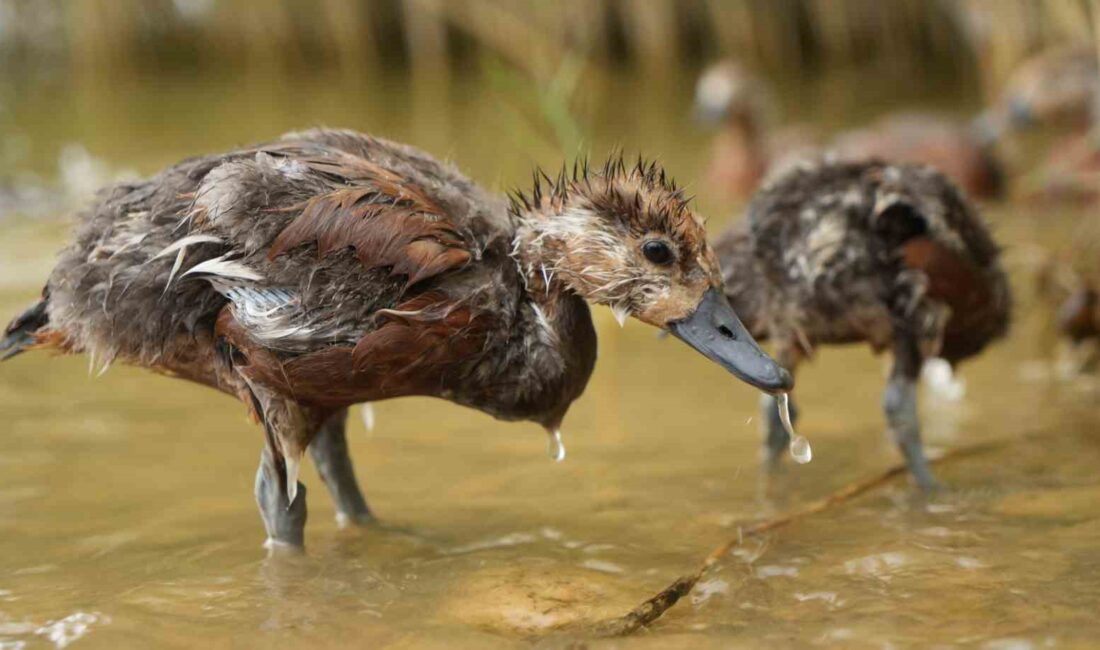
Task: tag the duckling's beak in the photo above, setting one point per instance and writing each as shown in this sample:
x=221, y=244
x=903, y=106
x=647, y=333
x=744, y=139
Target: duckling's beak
x=715, y=330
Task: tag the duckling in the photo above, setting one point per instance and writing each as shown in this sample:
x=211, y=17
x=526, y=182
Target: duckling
x=745, y=152
x=329, y=268
x=866, y=252
x=1056, y=87
x=746, y=148
x=957, y=149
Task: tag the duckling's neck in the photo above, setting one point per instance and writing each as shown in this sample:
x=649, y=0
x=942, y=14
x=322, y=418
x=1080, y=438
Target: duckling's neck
x=744, y=282
x=740, y=157
x=540, y=246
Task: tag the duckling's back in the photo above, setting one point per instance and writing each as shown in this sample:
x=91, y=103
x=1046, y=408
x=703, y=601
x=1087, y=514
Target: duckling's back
x=127, y=286
x=847, y=252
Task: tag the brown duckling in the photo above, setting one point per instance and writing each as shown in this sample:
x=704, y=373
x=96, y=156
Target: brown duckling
x=745, y=151
x=329, y=268
x=849, y=252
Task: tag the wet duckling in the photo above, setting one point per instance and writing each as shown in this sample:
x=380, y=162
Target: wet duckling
x=745, y=151
x=889, y=255
x=329, y=268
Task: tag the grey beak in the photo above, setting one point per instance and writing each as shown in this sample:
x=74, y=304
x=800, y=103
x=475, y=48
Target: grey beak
x=716, y=332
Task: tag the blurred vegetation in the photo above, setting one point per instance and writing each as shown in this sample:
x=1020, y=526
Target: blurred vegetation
x=492, y=82
x=433, y=37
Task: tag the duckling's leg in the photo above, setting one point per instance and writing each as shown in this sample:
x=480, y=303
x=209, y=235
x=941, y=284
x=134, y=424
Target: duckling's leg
x=285, y=523
x=900, y=404
x=776, y=438
x=329, y=450
x=288, y=428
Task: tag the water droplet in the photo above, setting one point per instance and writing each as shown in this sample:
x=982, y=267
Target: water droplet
x=800, y=447
x=801, y=451
x=367, y=412
x=555, y=447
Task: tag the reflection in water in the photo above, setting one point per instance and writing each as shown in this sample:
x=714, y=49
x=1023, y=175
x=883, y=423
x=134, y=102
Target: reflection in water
x=126, y=516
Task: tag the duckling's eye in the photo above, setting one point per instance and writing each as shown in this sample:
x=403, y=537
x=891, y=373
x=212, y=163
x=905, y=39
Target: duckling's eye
x=657, y=252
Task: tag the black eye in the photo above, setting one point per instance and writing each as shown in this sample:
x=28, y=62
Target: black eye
x=657, y=252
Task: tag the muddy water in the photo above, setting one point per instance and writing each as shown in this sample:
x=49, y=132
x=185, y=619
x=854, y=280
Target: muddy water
x=126, y=516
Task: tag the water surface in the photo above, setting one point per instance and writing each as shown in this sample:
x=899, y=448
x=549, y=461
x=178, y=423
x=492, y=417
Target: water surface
x=126, y=515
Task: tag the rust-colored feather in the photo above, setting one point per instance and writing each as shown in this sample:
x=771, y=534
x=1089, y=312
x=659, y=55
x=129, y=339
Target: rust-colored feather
x=387, y=220
x=428, y=331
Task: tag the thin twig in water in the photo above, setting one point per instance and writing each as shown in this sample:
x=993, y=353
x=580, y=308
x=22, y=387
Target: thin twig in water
x=652, y=609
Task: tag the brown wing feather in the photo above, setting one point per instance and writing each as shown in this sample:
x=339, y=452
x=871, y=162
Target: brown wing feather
x=421, y=342
x=977, y=312
x=389, y=221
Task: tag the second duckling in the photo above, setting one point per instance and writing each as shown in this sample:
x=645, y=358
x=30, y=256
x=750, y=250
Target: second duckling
x=890, y=255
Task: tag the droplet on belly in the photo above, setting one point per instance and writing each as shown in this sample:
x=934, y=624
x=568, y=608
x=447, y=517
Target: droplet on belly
x=801, y=451
x=367, y=411
x=555, y=447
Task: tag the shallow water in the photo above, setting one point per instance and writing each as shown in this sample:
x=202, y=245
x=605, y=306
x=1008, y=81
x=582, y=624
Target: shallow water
x=126, y=516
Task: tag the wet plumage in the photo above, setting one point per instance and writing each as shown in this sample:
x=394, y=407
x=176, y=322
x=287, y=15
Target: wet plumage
x=329, y=268
x=890, y=255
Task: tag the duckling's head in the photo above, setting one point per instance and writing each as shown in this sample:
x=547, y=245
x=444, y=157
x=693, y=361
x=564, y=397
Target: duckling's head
x=1059, y=87
x=727, y=92
x=626, y=237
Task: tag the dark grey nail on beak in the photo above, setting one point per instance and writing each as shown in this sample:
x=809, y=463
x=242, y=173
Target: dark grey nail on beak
x=716, y=332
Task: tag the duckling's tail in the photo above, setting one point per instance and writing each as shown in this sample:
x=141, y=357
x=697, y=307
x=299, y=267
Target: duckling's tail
x=22, y=332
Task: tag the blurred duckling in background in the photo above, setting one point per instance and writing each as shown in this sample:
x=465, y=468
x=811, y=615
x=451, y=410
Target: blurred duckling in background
x=1054, y=88
x=748, y=146
x=1054, y=91
x=866, y=252
x=746, y=151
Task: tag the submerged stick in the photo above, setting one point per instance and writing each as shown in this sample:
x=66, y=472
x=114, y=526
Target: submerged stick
x=652, y=609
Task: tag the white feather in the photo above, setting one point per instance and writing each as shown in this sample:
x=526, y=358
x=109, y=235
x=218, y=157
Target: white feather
x=181, y=246
x=224, y=268
x=293, y=464
x=184, y=242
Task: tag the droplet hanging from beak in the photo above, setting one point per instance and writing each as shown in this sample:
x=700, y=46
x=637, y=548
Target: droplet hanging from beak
x=555, y=447
x=800, y=448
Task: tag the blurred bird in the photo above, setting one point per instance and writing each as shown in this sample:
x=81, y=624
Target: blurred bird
x=1057, y=89
x=746, y=150
x=866, y=252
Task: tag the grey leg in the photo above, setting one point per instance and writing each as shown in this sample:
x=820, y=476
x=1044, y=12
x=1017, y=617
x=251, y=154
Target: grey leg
x=329, y=450
x=285, y=523
x=900, y=404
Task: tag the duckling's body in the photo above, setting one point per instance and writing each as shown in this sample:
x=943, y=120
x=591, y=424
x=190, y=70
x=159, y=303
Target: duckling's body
x=889, y=255
x=329, y=268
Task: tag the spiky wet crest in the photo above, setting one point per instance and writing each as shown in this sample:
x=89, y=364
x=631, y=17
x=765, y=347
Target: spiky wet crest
x=584, y=229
